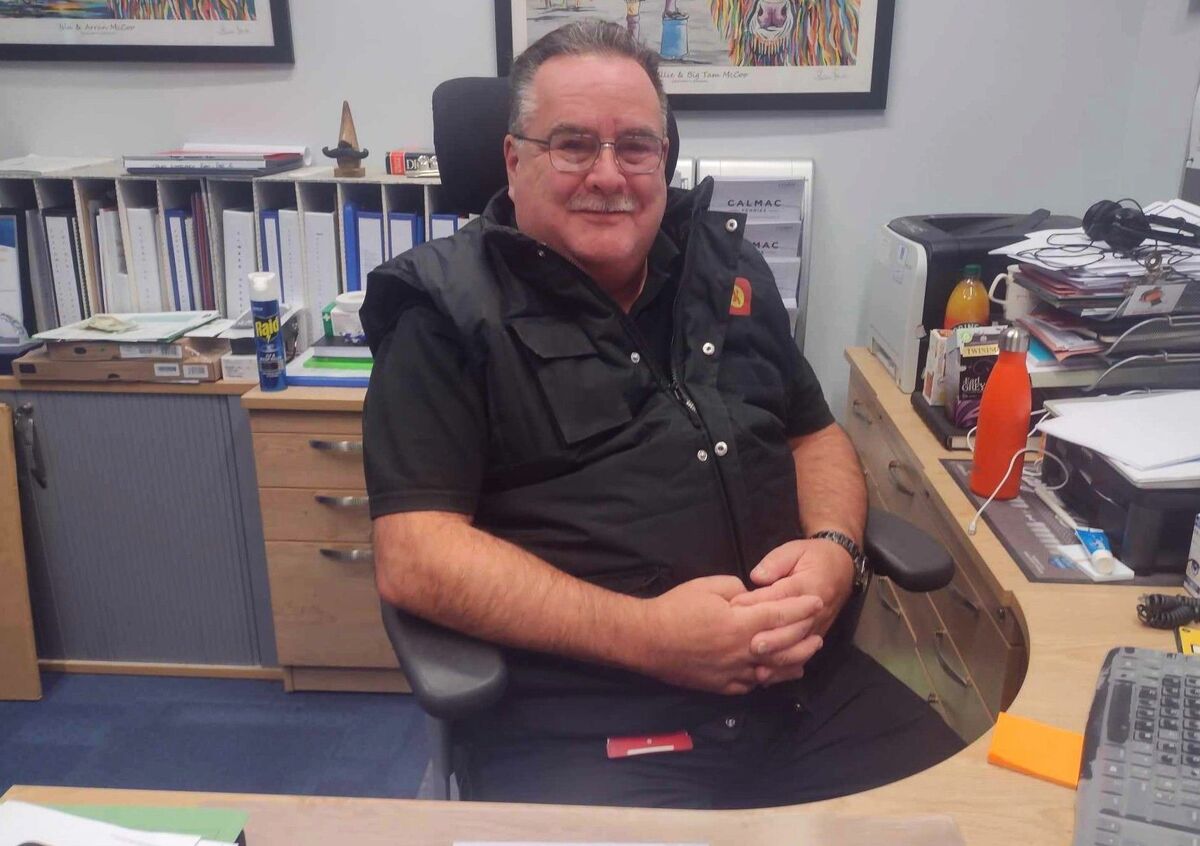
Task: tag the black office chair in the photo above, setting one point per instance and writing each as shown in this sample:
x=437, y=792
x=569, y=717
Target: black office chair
x=453, y=675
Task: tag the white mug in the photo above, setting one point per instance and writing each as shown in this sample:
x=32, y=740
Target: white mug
x=1018, y=300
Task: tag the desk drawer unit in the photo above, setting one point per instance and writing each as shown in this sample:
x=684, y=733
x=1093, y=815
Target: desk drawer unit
x=315, y=514
x=298, y=460
x=325, y=605
x=883, y=633
x=317, y=529
x=885, y=459
x=964, y=708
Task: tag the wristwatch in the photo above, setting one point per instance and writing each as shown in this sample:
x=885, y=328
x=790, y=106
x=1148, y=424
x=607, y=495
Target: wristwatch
x=862, y=575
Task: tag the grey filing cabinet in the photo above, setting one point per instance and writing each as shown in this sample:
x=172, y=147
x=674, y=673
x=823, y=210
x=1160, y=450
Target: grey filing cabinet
x=142, y=528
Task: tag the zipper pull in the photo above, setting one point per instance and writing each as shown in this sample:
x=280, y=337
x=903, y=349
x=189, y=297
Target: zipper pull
x=686, y=402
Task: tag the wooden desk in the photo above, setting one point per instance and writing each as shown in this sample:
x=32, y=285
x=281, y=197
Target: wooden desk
x=1066, y=629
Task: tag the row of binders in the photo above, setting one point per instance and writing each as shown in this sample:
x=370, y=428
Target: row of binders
x=165, y=262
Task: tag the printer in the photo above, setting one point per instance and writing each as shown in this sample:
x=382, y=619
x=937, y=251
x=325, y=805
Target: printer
x=920, y=259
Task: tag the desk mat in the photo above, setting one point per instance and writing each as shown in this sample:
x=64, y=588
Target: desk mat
x=1032, y=534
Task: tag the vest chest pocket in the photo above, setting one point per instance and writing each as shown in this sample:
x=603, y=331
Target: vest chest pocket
x=584, y=391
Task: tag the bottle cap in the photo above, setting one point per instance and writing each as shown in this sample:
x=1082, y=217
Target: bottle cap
x=264, y=286
x=1014, y=339
x=1102, y=560
x=973, y=271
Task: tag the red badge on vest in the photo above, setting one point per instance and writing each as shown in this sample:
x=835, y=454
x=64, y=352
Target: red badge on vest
x=740, y=303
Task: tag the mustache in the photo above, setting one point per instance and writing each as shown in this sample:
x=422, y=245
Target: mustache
x=594, y=203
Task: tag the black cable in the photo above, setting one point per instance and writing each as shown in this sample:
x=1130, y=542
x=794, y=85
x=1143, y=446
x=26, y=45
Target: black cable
x=1160, y=611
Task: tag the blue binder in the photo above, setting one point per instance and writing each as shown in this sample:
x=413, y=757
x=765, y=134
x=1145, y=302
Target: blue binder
x=409, y=227
x=350, y=243
x=180, y=264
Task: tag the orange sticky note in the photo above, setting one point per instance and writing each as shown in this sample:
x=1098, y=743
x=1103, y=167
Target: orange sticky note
x=1037, y=749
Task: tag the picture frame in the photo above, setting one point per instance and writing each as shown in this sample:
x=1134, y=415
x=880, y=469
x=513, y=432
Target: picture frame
x=241, y=31
x=716, y=55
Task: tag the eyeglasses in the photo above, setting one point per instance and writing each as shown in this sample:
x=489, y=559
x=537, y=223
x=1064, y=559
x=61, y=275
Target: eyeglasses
x=575, y=152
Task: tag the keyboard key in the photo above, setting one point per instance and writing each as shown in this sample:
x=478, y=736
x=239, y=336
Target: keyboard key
x=1168, y=759
x=1166, y=785
x=1104, y=824
x=1144, y=736
x=1141, y=758
x=1107, y=840
x=1189, y=785
x=1114, y=770
x=1166, y=734
x=1143, y=725
x=1112, y=753
x=1141, y=773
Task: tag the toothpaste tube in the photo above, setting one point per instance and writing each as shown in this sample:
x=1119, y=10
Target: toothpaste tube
x=1098, y=548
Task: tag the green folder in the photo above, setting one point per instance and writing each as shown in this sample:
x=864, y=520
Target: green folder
x=217, y=824
x=339, y=363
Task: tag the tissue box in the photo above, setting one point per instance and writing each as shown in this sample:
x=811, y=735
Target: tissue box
x=1191, y=574
x=968, y=365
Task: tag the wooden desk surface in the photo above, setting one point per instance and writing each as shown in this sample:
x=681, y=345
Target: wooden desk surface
x=1068, y=629
x=305, y=399
x=220, y=387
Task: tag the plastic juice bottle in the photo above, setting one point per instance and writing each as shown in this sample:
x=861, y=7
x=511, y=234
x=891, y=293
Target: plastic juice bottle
x=1004, y=411
x=968, y=303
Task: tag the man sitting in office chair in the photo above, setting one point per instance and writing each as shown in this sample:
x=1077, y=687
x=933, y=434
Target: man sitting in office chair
x=590, y=438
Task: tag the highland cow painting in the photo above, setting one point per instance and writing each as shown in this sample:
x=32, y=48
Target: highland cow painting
x=146, y=30
x=753, y=54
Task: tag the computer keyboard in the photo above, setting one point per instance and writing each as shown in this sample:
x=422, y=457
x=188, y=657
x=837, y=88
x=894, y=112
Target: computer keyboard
x=1139, y=782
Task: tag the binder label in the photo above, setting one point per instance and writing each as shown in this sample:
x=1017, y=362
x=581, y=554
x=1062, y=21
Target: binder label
x=165, y=370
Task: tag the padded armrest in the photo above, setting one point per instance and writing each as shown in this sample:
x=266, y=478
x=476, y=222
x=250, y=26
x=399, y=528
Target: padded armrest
x=452, y=675
x=908, y=556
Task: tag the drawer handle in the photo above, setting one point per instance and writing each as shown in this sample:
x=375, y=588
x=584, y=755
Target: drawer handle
x=938, y=637
x=963, y=599
x=895, y=609
x=893, y=466
x=854, y=409
x=347, y=556
x=336, y=446
x=341, y=501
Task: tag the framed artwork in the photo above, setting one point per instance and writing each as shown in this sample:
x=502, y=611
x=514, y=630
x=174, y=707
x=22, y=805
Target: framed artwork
x=146, y=31
x=736, y=54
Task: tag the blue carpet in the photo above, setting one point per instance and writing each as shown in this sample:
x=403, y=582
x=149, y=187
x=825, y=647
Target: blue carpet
x=229, y=735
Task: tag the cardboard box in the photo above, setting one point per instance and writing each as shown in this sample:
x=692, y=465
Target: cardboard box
x=239, y=368
x=934, y=383
x=113, y=351
x=198, y=367
x=968, y=366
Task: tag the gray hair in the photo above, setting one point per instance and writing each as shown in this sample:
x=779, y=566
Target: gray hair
x=582, y=38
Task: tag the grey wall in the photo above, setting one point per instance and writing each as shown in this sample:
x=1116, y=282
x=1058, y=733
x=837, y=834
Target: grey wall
x=993, y=106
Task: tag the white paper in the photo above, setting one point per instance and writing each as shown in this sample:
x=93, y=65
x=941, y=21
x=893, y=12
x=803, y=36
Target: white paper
x=441, y=226
x=370, y=245
x=1145, y=432
x=238, y=235
x=759, y=199
x=291, y=259
x=35, y=165
x=143, y=250
x=400, y=233
x=180, y=271
x=787, y=276
x=118, y=292
x=775, y=240
x=22, y=822
x=149, y=326
x=248, y=149
x=61, y=244
x=321, y=266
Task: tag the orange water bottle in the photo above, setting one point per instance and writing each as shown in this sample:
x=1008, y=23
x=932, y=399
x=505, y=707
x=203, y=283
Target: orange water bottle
x=1004, y=411
x=968, y=303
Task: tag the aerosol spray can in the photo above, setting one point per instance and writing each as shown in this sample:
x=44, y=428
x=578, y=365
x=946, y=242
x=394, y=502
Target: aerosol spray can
x=268, y=339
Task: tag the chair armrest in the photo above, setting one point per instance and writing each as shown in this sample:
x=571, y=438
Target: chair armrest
x=452, y=675
x=909, y=556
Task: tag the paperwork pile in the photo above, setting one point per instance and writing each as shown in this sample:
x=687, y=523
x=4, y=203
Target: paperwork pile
x=1151, y=438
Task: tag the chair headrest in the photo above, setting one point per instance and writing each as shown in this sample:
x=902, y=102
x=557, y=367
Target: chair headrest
x=470, y=120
